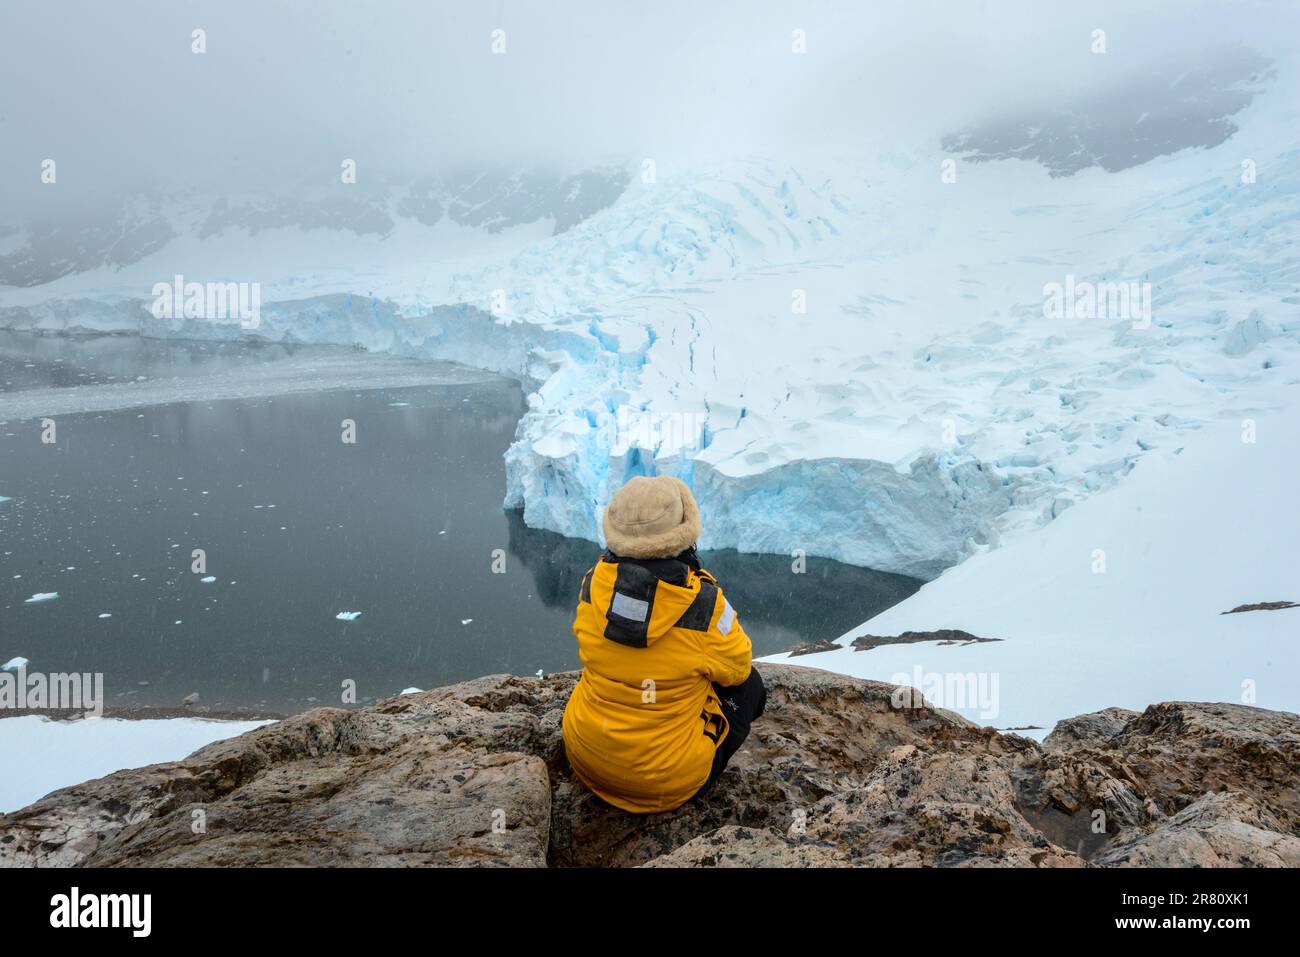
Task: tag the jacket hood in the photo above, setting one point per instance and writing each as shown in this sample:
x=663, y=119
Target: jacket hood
x=643, y=599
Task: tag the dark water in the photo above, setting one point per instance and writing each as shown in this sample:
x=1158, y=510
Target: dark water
x=297, y=527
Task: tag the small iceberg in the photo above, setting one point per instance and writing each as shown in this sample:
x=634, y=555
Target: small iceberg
x=348, y=615
x=466, y=621
x=411, y=691
x=13, y=664
x=41, y=596
x=208, y=580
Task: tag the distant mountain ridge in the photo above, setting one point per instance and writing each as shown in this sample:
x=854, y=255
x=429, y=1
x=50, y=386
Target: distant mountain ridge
x=118, y=233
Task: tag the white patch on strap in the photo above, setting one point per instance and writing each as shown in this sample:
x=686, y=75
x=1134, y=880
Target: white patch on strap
x=625, y=606
x=727, y=618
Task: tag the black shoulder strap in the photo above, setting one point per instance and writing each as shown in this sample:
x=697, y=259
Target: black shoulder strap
x=628, y=615
x=700, y=612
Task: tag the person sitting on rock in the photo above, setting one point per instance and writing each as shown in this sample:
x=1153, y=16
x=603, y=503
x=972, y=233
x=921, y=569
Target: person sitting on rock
x=668, y=688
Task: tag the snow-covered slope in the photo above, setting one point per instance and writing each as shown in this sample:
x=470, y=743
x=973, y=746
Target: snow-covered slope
x=1119, y=601
x=848, y=357
x=58, y=754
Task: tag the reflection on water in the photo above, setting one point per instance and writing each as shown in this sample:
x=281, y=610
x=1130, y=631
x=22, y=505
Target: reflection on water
x=779, y=608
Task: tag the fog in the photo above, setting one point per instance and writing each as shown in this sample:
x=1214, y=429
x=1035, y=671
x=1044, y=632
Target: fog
x=287, y=90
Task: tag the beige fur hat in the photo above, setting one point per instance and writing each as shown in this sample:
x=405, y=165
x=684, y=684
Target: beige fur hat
x=652, y=518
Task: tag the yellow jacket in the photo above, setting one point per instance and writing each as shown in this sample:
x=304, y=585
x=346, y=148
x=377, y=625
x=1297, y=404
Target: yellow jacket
x=643, y=722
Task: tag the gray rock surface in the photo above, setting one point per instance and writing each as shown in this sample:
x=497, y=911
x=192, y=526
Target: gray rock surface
x=833, y=775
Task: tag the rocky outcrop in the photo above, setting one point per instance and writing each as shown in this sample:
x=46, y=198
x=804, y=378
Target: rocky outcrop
x=943, y=636
x=835, y=774
x=1261, y=606
x=1085, y=729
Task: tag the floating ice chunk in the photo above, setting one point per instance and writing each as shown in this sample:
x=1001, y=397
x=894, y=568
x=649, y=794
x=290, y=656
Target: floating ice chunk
x=106, y=615
x=208, y=579
x=466, y=621
x=41, y=596
x=348, y=615
x=5, y=498
x=411, y=690
x=13, y=664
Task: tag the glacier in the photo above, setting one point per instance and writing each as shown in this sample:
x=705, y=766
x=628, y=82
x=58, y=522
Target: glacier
x=859, y=346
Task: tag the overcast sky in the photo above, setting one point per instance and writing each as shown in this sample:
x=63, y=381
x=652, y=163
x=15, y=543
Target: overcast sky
x=288, y=88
